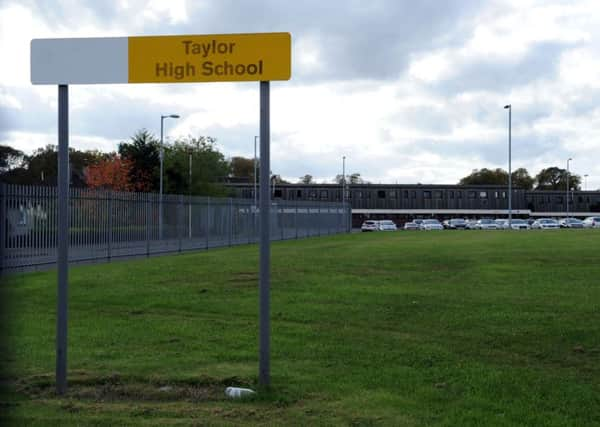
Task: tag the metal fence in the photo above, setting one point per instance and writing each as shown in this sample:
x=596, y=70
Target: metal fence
x=106, y=224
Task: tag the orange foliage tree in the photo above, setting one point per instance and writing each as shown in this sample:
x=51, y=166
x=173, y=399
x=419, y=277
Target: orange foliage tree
x=111, y=174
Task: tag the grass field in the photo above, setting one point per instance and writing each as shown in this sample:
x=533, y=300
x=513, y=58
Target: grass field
x=406, y=328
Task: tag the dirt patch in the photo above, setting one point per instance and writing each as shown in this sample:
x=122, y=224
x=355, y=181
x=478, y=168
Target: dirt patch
x=115, y=387
x=244, y=278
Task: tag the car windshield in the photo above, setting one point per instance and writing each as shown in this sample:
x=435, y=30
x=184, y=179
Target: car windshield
x=518, y=221
x=573, y=220
x=457, y=221
x=370, y=223
x=431, y=221
x=547, y=221
x=486, y=221
x=387, y=223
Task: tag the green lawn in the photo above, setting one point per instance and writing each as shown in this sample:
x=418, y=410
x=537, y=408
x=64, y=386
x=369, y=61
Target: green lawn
x=407, y=328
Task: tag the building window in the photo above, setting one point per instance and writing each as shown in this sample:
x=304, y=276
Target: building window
x=451, y=194
x=437, y=194
x=358, y=194
x=392, y=194
x=381, y=194
x=312, y=194
x=496, y=194
x=413, y=194
x=459, y=194
x=324, y=194
x=427, y=194
x=483, y=194
x=405, y=193
x=277, y=194
x=298, y=194
x=472, y=194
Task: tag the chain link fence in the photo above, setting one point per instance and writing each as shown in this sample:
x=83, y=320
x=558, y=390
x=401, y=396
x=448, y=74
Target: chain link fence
x=106, y=224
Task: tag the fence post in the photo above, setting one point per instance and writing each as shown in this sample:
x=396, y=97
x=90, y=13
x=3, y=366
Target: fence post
x=230, y=219
x=207, y=221
x=110, y=224
x=296, y=220
x=179, y=220
x=3, y=225
x=147, y=205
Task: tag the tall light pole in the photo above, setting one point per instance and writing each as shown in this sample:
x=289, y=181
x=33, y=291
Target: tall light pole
x=585, y=182
x=255, y=168
x=568, y=160
x=162, y=155
x=509, y=107
x=190, y=195
x=343, y=179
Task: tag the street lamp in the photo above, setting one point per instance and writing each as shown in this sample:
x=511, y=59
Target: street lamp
x=191, y=151
x=568, y=186
x=585, y=182
x=162, y=155
x=343, y=179
x=509, y=107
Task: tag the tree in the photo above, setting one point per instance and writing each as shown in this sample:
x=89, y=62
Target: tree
x=112, y=173
x=209, y=167
x=555, y=178
x=485, y=177
x=306, y=179
x=522, y=179
x=9, y=158
x=243, y=168
x=355, y=178
x=498, y=176
x=143, y=151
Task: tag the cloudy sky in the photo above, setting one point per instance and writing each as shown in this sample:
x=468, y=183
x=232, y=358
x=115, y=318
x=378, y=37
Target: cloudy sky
x=409, y=91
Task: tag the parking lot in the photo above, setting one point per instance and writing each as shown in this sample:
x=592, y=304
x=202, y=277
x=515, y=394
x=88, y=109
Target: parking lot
x=432, y=224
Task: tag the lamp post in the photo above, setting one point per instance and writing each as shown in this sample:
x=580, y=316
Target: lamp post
x=162, y=155
x=585, y=182
x=509, y=107
x=190, y=195
x=343, y=179
x=568, y=160
x=255, y=168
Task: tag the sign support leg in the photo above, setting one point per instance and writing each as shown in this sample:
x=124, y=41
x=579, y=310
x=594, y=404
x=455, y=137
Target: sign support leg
x=63, y=238
x=265, y=243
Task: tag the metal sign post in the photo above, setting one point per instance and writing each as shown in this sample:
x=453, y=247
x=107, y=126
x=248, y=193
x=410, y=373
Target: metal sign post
x=265, y=242
x=258, y=57
x=63, y=238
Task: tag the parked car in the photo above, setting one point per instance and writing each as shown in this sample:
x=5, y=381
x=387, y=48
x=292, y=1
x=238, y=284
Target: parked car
x=519, y=224
x=431, y=224
x=502, y=223
x=411, y=226
x=570, y=223
x=471, y=224
x=457, y=224
x=387, y=225
x=487, y=224
x=369, y=225
x=545, y=224
x=418, y=221
x=592, y=222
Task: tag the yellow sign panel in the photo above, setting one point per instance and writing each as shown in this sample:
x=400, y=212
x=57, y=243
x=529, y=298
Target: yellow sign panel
x=210, y=58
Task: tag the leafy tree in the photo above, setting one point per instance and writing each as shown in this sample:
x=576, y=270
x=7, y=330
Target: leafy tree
x=209, y=167
x=522, y=179
x=143, y=151
x=112, y=173
x=277, y=179
x=486, y=177
x=555, y=178
x=355, y=178
x=306, y=179
x=9, y=158
x=41, y=167
x=242, y=167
